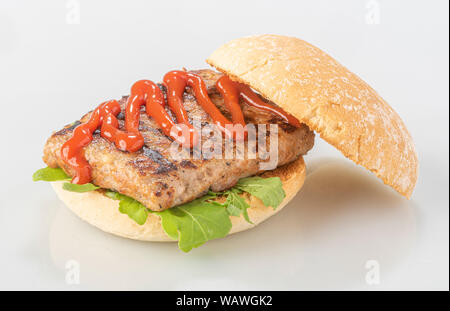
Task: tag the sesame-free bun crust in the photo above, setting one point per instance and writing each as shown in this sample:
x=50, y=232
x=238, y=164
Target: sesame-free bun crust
x=326, y=96
x=102, y=212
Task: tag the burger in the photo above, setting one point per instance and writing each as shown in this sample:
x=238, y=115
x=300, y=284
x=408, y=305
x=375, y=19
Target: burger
x=207, y=153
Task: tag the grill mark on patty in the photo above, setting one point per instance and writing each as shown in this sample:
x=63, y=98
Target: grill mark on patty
x=67, y=129
x=121, y=116
x=283, y=125
x=165, y=165
x=74, y=125
x=187, y=164
x=162, y=88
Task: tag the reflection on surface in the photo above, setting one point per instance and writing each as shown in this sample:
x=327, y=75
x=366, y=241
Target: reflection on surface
x=342, y=218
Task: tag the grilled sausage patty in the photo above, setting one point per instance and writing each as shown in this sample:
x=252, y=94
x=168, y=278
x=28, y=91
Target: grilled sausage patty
x=160, y=179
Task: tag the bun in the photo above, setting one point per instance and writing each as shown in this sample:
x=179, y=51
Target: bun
x=326, y=96
x=103, y=212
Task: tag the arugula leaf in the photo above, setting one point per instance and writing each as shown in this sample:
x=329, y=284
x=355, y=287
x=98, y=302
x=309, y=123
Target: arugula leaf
x=192, y=224
x=210, y=195
x=134, y=209
x=112, y=195
x=236, y=205
x=269, y=190
x=195, y=223
x=50, y=174
x=56, y=174
x=79, y=188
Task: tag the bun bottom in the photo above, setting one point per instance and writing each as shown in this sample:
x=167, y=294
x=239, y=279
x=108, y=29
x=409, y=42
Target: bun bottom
x=103, y=212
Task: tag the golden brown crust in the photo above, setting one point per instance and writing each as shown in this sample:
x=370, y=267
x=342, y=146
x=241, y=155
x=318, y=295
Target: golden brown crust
x=330, y=99
x=103, y=212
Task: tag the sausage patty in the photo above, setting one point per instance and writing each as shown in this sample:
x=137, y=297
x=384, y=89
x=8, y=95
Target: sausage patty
x=160, y=179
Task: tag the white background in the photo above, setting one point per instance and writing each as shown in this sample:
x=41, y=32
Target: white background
x=53, y=71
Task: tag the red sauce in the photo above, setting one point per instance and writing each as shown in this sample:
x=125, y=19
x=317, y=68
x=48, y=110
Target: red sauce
x=230, y=91
x=148, y=93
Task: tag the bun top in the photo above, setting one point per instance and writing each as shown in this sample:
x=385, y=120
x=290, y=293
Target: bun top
x=326, y=96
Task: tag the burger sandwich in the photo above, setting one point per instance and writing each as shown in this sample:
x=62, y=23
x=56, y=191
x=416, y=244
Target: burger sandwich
x=207, y=153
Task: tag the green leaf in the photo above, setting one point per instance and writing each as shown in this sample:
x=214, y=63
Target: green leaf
x=134, y=209
x=79, y=188
x=236, y=205
x=129, y=206
x=195, y=223
x=112, y=195
x=269, y=190
x=55, y=174
x=50, y=174
x=210, y=195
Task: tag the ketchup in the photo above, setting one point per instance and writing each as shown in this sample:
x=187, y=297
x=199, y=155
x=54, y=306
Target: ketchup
x=230, y=91
x=148, y=93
